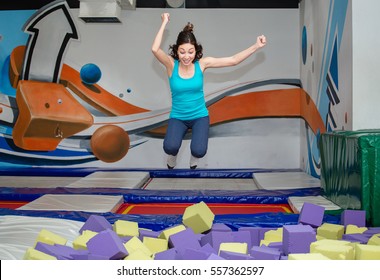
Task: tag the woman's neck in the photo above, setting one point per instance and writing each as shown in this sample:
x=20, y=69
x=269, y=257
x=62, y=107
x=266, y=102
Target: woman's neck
x=186, y=67
x=186, y=71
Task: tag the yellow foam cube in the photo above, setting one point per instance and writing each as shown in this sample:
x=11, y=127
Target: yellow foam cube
x=155, y=245
x=126, y=228
x=135, y=244
x=352, y=229
x=50, y=238
x=33, y=254
x=274, y=235
x=165, y=234
x=198, y=217
x=367, y=252
x=318, y=237
x=138, y=255
x=374, y=240
x=80, y=243
x=308, y=256
x=331, y=231
x=235, y=247
x=335, y=252
x=328, y=242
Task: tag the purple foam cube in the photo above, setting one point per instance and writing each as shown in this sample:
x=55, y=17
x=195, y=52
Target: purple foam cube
x=353, y=217
x=170, y=254
x=276, y=245
x=234, y=256
x=215, y=238
x=59, y=252
x=356, y=237
x=371, y=231
x=192, y=254
x=220, y=227
x=254, y=233
x=65, y=250
x=242, y=237
x=147, y=233
x=297, y=238
x=80, y=255
x=86, y=255
x=199, y=236
x=215, y=257
x=208, y=249
x=96, y=223
x=184, y=239
x=107, y=243
x=311, y=214
x=265, y=253
x=95, y=257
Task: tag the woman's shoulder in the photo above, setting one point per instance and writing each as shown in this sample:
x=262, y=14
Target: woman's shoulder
x=203, y=63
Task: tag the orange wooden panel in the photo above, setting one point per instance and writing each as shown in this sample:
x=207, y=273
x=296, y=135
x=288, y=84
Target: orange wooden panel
x=16, y=59
x=47, y=114
x=272, y=103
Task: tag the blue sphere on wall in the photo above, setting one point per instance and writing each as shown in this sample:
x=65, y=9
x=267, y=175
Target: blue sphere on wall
x=90, y=73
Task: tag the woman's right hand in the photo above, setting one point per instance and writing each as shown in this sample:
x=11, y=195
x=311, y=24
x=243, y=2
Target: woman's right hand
x=165, y=17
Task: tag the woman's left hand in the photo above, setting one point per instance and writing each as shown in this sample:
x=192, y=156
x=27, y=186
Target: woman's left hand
x=261, y=41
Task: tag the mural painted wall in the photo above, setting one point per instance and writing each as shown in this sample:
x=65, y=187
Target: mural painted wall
x=326, y=70
x=75, y=94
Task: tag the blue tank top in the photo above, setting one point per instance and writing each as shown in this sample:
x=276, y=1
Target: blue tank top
x=188, y=101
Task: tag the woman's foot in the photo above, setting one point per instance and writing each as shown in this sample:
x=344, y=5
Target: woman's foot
x=193, y=162
x=171, y=161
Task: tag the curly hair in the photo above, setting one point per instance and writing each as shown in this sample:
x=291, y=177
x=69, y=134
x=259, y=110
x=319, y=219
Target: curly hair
x=184, y=37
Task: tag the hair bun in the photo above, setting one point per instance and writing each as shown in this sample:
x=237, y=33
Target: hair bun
x=189, y=27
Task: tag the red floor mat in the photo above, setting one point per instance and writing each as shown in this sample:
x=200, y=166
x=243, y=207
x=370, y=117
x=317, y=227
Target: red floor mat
x=216, y=208
x=179, y=208
x=12, y=204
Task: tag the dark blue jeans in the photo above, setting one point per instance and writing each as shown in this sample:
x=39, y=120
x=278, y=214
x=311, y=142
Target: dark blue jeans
x=176, y=131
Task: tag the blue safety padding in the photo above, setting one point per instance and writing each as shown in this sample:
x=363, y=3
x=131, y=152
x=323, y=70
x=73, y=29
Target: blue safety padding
x=217, y=196
x=206, y=173
x=154, y=173
x=160, y=222
x=166, y=196
x=213, y=173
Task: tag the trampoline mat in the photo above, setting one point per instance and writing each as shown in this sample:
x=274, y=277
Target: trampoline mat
x=74, y=202
x=201, y=184
x=36, y=181
x=99, y=179
x=296, y=202
x=285, y=180
x=112, y=179
x=216, y=208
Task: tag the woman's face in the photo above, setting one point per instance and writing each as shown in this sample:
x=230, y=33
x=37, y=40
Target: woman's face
x=186, y=53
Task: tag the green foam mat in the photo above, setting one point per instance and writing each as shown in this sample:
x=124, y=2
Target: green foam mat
x=350, y=170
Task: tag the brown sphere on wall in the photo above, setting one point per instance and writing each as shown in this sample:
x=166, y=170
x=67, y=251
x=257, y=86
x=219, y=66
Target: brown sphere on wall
x=110, y=143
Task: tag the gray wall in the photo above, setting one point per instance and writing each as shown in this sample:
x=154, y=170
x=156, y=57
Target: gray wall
x=366, y=61
x=122, y=51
